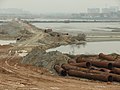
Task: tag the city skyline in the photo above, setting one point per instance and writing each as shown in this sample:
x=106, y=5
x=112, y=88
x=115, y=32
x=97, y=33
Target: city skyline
x=57, y=6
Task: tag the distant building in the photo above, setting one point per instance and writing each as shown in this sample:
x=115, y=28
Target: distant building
x=93, y=10
x=105, y=10
x=116, y=8
x=110, y=10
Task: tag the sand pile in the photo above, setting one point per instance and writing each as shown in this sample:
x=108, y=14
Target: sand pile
x=14, y=30
x=45, y=59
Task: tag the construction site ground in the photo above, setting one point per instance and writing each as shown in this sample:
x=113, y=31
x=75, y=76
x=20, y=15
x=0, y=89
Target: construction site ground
x=16, y=76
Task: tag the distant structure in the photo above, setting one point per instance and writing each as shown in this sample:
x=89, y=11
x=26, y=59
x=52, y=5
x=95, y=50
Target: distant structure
x=110, y=10
x=107, y=13
x=93, y=10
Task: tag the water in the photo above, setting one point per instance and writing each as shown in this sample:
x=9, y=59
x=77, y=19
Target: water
x=90, y=48
x=81, y=27
x=5, y=42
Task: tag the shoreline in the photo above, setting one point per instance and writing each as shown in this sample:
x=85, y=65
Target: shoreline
x=97, y=36
x=102, y=39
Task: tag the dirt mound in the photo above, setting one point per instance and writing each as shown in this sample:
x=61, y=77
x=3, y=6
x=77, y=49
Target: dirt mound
x=45, y=59
x=61, y=38
x=27, y=34
x=15, y=29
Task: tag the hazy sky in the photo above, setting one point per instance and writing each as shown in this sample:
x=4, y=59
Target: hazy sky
x=55, y=6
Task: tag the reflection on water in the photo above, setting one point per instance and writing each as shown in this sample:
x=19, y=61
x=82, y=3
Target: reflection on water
x=5, y=42
x=90, y=48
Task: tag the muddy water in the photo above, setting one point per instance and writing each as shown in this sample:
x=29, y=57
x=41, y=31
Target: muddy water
x=90, y=48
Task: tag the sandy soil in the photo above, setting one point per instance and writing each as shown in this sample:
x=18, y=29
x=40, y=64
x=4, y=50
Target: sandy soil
x=16, y=76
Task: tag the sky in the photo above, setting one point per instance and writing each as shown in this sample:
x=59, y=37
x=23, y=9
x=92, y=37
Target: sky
x=57, y=6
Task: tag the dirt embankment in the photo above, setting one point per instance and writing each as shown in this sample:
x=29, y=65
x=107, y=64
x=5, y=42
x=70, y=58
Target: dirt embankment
x=29, y=36
x=20, y=27
x=14, y=30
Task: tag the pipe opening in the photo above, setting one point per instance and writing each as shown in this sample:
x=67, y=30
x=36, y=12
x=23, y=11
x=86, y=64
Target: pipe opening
x=110, y=66
x=63, y=73
x=110, y=78
x=102, y=70
x=88, y=64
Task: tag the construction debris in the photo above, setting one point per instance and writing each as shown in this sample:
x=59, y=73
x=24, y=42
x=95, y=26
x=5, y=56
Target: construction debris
x=94, y=68
x=106, y=57
x=60, y=70
x=101, y=77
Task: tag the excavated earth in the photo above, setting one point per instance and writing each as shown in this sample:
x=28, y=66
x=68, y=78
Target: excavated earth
x=17, y=76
